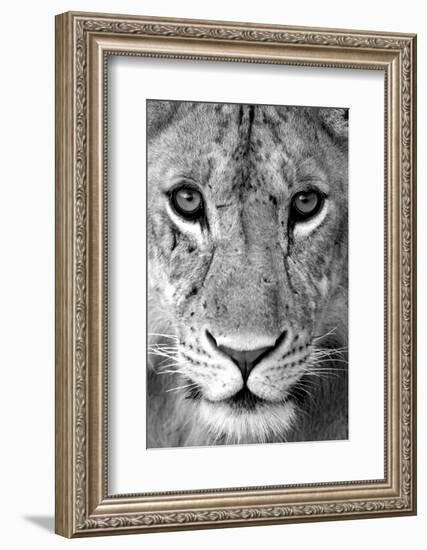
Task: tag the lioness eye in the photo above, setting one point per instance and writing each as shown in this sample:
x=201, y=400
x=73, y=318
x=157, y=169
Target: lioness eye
x=305, y=205
x=187, y=202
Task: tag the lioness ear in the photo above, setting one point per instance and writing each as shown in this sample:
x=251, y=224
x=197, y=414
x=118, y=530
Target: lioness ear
x=335, y=122
x=159, y=115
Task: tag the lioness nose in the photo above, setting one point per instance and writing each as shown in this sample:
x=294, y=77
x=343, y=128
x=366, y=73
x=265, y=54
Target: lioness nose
x=245, y=360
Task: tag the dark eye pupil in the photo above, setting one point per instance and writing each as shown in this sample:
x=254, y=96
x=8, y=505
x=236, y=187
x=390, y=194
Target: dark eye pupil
x=306, y=204
x=187, y=202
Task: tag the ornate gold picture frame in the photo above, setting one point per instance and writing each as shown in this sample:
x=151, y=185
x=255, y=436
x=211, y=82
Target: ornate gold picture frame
x=84, y=43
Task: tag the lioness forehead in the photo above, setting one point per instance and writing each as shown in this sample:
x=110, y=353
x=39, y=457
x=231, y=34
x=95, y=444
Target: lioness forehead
x=271, y=148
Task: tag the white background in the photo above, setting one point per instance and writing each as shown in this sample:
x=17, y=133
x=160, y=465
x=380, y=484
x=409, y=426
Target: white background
x=131, y=81
x=26, y=289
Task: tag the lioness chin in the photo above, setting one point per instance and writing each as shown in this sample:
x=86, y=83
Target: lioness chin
x=247, y=274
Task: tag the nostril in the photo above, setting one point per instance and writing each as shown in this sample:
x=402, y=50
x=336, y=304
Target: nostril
x=281, y=339
x=211, y=339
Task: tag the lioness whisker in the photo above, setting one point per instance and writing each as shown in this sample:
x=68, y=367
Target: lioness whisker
x=173, y=372
x=329, y=333
x=171, y=336
x=161, y=354
x=192, y=385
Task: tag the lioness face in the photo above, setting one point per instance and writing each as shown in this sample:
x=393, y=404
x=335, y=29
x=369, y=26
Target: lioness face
x=247, y=238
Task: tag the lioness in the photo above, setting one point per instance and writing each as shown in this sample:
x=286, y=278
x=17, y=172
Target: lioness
x=247, y=273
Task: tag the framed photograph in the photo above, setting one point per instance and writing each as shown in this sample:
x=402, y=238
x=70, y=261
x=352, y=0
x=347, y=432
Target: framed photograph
x=235, y=274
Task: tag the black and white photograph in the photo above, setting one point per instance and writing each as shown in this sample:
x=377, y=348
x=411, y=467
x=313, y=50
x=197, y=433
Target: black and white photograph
x=247, y=273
